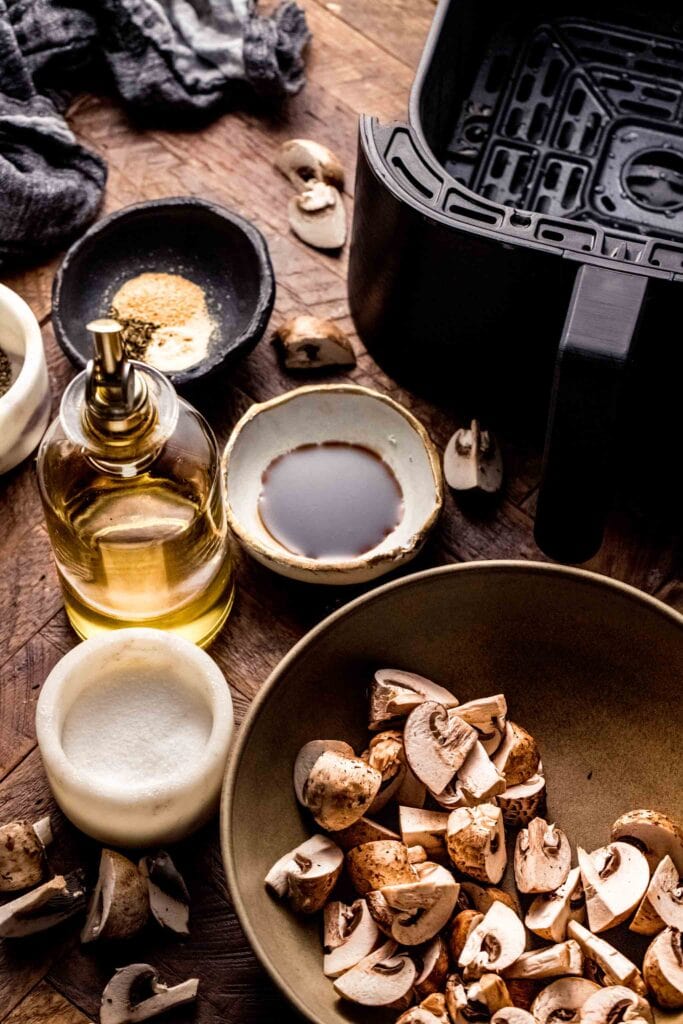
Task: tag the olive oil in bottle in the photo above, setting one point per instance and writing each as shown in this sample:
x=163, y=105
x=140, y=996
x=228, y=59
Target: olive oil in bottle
x=131, y=485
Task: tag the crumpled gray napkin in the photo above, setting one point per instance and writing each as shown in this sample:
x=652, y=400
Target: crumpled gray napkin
x=167, y=59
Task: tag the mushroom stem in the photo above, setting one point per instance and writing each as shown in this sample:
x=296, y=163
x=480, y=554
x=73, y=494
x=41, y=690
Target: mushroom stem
x=120, y=1002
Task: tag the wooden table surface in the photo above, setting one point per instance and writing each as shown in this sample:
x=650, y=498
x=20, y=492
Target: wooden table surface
x=362, y=60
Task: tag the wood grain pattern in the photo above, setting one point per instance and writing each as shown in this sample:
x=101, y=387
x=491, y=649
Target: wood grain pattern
x=362, y=60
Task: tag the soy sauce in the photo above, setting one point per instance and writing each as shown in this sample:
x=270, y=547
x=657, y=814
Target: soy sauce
x=330, y=500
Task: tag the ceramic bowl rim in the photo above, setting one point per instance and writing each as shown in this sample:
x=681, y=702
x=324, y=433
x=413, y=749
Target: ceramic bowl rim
x=492, y=565
x=34, y=354
x=263, y=307
x=319, y=565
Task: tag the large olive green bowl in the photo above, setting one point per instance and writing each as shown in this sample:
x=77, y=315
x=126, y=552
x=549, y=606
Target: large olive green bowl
x=591, y=667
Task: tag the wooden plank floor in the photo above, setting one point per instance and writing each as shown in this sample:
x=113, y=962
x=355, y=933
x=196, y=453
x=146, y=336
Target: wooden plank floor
x=362, y=60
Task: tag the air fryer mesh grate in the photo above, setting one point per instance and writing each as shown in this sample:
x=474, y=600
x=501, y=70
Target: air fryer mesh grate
x=581, y=120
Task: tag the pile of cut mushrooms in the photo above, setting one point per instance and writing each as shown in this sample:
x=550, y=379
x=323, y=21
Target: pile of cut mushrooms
x=428, y=932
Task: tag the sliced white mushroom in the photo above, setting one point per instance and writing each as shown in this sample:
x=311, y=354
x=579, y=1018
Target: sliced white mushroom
x=340, y=789
x=613, y=967
x=424, y=828
x=478, y=776
x=431, y=961
x=373, y=865
x=431, y=1010
x=663, y=968
x=386, y=754
x=550, y=962
x=135, y=993
x=491, y=992
x=317, y=216
x=512, y=1015
x=42, y=908
x=653, y=833
x=169, y=899
x=303, y=161
x=460, y=927
x=517, y=757
x=309, y=754
x=488, y=716
x=307, y=874
x=481, y=897
x=523, y=802
x=662, y=904
x=365, y=830
x=495, y=943
x=542, y=857
x=615, y=879
x=561, y=1001
x=310, y=343
x=475, y=840
x=418, y=910
x=119, y=905
x=394, y=694
x=616, y=1005
x=550, y=913
x=22, y=854
x=380, y=979
x=435, y=744
x=350, y=934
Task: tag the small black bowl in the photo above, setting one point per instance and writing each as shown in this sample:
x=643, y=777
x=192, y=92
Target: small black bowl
x=204, y=242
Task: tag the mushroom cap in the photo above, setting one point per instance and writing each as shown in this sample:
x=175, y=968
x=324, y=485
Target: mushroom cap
x=135, y=994
x=309, y=754
x=431, y=961
x=653, y=833
x=423, y=907
x=561, y=1001
x=523, y=802
x=517, y=757
x=309, y=342
x=615, y=879
x=460, y=927
x=436, y=745
x=542, y=857
x=354, y=934
x=386, y=754
x=481, y=897
x=382, y=862
x=318, y=217
x=39, y=909
x=119, y=905
x=615, y=1004
x=512, y=1015
x=169, y=899
x=307, y=874
x=303, y=160
x=550, y=912
x=340, y=789
x=488, y=716
x=22, y=857
x=662, y=904
x=380, y=979
x=365, y=830
x=394, y=693
x=495, y=943
x=663, y=968
x=476, y=842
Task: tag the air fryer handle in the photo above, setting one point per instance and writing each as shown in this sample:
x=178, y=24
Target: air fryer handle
x=577, y=467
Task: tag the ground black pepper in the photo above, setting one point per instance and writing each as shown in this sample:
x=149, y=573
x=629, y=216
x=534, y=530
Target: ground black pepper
x=5, y=373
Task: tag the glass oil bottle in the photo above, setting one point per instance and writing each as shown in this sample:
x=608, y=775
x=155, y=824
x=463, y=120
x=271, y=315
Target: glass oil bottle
x=130, y=480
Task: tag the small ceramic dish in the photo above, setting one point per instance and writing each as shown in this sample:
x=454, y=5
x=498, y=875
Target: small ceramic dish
x=25, y=406
x=206, y=243
x=333, y=412
x=134, y=728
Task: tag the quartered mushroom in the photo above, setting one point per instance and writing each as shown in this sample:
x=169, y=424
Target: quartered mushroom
x=380, y=979
x=460, y=928
x=310, y=343
x=561, y=1002
x=476, y=842
x=309, y=754
x=386, y=754
x=478, y=777
x=472, y=460
x=662, y=904
x=317, y=216
x=431, y=1010
x=495, y=943
x=488, y=716
x=307, y=875
x=349, y=935
x=340, y=789
x=119, y=905
x=481, y=897
x=479, y=1001
x=135, y=993
x=383, y=862
x=22, y=854
x=431, y=961
x=616, y=1005
x=663, y=968
x=542, y=857
x=394, y=693
x=613, y=968
x=42, y=908
x=523, y=802
x=512, y=1015
x=303, y=161
x=653, y=833
x=517, y=757
x=436, y=745
x=365, y=830
x=414, y=912
x=169, y=899
x=550, y=962
x=615, y=879
x=426, y=828
x=550, y=912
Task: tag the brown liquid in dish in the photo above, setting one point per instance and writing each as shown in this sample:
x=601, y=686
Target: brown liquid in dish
x=330, y=500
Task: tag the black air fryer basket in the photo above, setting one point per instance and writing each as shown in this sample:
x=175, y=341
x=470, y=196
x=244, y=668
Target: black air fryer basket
x=536, y=194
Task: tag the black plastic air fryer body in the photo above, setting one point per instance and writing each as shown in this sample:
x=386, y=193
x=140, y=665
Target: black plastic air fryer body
x=534, y=197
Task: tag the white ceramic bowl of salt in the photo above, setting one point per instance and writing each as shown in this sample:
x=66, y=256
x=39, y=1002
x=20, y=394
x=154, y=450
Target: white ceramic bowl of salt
x=134, y=729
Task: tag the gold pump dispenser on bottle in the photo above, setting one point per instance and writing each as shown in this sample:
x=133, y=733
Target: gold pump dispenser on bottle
x=130, y=481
